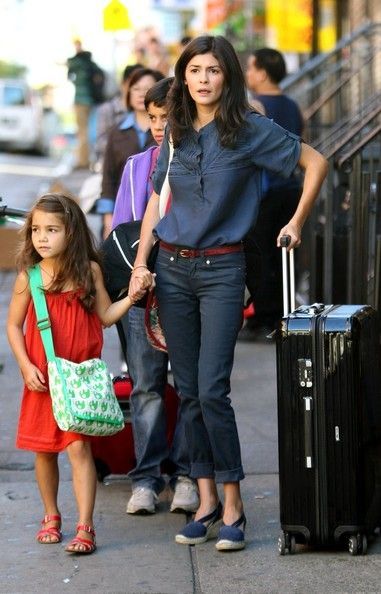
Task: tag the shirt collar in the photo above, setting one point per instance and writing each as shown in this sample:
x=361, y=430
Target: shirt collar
x=128, y=121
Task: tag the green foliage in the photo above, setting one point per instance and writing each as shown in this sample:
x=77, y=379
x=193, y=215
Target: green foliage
x=9, y=70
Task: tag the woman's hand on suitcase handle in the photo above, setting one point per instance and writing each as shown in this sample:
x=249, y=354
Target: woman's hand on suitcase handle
x=293, y=232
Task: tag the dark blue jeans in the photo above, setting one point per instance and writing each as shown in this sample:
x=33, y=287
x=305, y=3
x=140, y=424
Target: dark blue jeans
x=201, y=304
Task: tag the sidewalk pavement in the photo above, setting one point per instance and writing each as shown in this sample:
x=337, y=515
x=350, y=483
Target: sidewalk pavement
x=138, y=555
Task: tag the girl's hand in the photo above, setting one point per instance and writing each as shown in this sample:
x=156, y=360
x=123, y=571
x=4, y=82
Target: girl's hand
x=34, y=378
x=138, y=294
x=141, y=279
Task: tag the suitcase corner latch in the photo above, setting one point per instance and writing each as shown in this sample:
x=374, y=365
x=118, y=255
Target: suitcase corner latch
x=305, y=373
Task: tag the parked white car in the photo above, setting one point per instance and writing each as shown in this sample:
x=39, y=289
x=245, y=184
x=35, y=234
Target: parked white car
x=21, y=117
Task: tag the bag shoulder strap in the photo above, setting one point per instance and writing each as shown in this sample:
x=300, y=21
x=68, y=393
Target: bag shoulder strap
x=43, y=320
x=166, y=189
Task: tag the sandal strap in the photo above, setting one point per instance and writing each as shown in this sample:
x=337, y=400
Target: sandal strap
x=52, y=531
x=86, y=528
x=79, y=540
x=213, y=516
x=51, y=518
x=89, y=545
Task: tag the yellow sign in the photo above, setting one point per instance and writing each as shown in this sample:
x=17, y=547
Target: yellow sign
x=289, y=25
x=116, y=17
x=327, y=29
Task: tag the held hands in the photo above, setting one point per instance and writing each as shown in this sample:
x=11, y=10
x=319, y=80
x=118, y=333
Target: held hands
x=294, y=232
x=141, y=280
x=33, y=378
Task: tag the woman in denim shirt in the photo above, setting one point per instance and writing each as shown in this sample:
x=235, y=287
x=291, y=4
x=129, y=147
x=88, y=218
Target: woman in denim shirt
x=221, y=148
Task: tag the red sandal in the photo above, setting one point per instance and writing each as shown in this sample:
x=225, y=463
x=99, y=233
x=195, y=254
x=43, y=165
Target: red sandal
x=89, y=544
x=52, y=531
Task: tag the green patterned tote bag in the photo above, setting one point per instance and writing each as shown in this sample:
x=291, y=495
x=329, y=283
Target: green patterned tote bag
x=83, y=397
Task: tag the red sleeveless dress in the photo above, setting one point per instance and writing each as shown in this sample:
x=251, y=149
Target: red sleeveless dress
x=77, y=336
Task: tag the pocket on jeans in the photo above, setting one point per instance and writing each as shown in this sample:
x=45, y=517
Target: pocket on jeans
x=163, y=259
x=226, y=262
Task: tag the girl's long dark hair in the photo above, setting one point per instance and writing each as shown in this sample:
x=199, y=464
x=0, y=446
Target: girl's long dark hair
x=233, y=105
x=74, y=264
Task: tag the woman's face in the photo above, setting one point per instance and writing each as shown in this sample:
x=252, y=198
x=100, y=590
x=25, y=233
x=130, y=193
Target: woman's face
x=205, y=80
x=138, y=91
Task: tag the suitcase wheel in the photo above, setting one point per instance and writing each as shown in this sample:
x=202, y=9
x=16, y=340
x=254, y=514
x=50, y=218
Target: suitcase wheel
x=286, y=542
x=358, y=544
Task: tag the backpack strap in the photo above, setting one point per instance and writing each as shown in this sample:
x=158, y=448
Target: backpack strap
x=43, y=320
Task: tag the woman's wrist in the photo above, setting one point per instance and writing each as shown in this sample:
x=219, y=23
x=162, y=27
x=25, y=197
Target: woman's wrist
x=140, y=266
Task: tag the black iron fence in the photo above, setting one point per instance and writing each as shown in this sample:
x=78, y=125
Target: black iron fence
x=340, y=95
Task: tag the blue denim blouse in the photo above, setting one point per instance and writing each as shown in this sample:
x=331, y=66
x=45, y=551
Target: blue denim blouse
x=216, y=190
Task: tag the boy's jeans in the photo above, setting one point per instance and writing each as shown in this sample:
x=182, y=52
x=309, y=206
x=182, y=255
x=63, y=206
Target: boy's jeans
x=148, y=370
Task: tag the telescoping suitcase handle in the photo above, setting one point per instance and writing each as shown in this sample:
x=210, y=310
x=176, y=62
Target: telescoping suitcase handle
x=288, y=276
x=305, y=365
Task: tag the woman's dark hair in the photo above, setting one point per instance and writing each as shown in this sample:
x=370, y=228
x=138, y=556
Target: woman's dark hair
x=233, y=106
x=137, y=75
x=75, y=262
x=158, y=93
x=129, y=70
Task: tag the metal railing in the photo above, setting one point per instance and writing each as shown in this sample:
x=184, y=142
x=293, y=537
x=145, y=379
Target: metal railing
x=345, y=232
x=340, y=96
x=331, y=87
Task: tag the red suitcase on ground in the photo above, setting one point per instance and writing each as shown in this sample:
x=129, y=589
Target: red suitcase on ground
x=115, y=454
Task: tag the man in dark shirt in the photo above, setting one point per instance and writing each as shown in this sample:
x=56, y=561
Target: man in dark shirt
x=264, y=71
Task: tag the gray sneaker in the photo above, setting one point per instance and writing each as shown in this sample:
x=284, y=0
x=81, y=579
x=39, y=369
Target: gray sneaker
x=142, y=501
x=186, y=497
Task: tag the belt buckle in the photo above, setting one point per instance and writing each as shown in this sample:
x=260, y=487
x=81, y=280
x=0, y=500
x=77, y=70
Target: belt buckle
x=184, y=253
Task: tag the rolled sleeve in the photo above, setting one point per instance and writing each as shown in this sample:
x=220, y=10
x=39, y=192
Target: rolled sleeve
x=274, y=148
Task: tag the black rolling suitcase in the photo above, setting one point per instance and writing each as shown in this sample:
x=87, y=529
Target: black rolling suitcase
x=329, y=424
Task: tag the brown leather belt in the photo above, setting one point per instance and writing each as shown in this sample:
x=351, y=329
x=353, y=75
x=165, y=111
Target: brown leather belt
x=185, y=252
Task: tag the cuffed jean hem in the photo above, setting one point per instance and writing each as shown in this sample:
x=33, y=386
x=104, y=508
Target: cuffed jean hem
x=205, y=470
x=230, y=476
x=202, y=470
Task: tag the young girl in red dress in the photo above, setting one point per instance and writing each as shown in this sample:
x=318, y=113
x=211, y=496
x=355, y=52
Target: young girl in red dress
x=56, y=236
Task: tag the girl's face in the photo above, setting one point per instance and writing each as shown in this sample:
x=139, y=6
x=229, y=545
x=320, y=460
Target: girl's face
x=205, y=80
x=158, y=119
x=138, y=91
x=48, y=234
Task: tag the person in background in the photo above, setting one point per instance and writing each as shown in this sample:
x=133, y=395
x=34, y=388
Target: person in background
x=80, y=72
x=111, y=113
x=264, y=71
x=221, y=147
x=148, y=366
x=153, y=54
x=183, y=41
x=131, y=136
